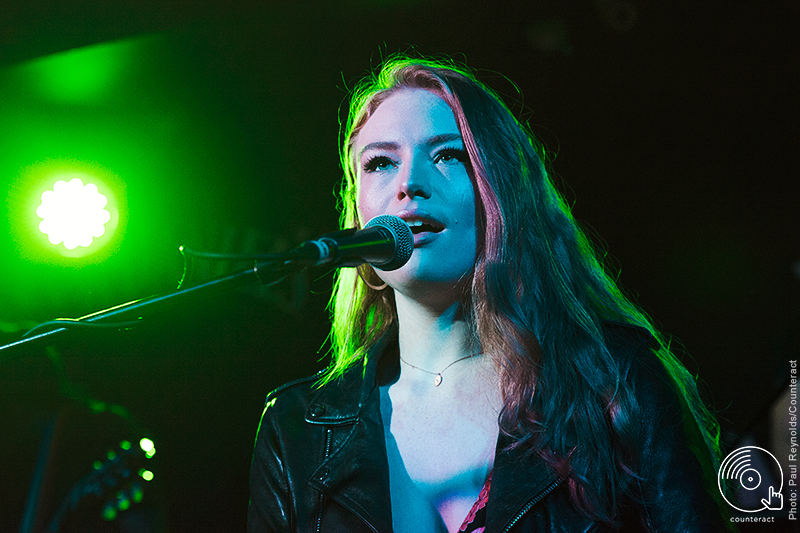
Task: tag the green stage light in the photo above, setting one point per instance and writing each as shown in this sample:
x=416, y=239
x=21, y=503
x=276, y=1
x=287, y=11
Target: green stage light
x=123, y=502
x=148, y=447
x=109, y=512
x=136, y=492
x=73, y=213
x=40, y=220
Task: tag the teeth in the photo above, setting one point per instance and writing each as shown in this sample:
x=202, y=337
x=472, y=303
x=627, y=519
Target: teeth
x=418, y=225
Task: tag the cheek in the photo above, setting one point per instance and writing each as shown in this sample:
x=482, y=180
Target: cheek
x=370, y=202
x=467, y=202
x=362, y=206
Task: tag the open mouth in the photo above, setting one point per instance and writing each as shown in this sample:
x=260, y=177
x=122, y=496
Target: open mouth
x=424, y=226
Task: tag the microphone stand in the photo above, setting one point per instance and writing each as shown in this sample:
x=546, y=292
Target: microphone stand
x=266, y=271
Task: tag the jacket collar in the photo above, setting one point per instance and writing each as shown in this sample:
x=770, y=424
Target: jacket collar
x=341, y=401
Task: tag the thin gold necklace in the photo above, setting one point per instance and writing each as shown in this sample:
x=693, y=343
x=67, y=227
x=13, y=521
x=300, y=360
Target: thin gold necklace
x=437, y=380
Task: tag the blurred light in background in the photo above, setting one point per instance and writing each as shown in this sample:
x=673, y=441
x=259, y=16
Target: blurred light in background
x=109, y=512
x=148, y=447
x=123, y=502
x=87, y=75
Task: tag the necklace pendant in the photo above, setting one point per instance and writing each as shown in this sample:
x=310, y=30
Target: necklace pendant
x=437, y=380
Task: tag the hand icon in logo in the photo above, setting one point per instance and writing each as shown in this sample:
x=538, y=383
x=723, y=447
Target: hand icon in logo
x=775, y=501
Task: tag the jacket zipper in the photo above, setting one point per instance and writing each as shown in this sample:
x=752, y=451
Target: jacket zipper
x=328, y=437
x=533, y=502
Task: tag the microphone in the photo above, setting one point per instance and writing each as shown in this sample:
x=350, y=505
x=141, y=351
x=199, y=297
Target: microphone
x=386, y=242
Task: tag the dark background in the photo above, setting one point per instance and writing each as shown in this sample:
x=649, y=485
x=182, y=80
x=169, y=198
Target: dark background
x=674, y=127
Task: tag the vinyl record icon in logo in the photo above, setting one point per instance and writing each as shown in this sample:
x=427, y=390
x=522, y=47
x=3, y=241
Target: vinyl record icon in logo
x=746, y=470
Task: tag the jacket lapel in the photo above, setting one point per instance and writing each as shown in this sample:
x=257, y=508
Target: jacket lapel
x=517, y=483
x=355, y=470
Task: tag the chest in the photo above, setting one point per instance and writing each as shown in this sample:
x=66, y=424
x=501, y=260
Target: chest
x=440, y=453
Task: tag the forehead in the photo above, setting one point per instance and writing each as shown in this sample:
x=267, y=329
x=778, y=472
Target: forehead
x=408, y=115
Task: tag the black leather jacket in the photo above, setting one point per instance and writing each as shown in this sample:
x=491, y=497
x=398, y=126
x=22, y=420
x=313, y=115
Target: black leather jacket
x=320, y=461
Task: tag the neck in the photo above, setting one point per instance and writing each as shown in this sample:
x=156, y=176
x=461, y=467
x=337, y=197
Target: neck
x=432, y=338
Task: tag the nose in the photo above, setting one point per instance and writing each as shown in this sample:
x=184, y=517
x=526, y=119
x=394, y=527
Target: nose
x=414, y=181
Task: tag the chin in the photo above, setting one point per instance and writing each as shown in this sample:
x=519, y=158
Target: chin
x=416, y=280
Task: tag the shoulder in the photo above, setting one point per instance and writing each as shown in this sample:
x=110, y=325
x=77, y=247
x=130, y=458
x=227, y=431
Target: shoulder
x=283, y=436
x=320, y=400
x=661, y=389
x=676, y=468
x=309, y=400
x=283, y=455
x=293, y=397
x=635, y=352
x=283, y=416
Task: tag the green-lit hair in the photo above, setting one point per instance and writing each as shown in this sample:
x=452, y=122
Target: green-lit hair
x=538, y=294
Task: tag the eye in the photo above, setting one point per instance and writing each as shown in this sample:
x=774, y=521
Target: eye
x=451, y=156
x=377, y=163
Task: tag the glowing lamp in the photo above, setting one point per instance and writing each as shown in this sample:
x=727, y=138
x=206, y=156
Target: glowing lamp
x=73, y=213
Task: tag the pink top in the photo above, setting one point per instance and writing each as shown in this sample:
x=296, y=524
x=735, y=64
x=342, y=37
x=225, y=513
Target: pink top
x=475, y=522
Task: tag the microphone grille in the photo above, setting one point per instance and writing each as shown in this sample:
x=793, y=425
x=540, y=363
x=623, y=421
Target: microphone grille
x=403, y=240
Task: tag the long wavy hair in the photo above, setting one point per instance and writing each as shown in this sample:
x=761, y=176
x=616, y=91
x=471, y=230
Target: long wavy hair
x=538, y=294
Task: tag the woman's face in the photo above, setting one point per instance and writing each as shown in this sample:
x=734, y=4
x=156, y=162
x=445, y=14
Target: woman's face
x=411, y=162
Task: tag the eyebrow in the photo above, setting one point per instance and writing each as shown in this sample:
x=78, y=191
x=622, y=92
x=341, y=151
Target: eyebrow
x=429, y=142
